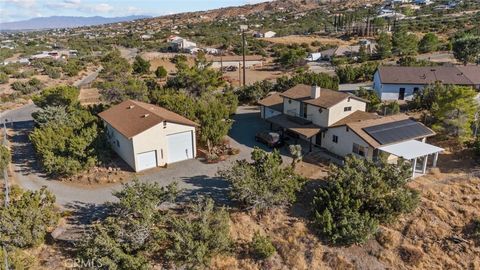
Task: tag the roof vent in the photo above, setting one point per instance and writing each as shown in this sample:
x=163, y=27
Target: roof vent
x=146, y=115
x=131, y=107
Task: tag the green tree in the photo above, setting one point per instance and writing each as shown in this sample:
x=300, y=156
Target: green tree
x=161, y=72
x=467, y=49
x=363, y=54
x=214, y=119
x=429, y=43
x=404, y=43
x=454, y=112
x=197, y=79
x=141, y=66
x=55, y=114
x=292, y=57
x=114, y=66
x=296, y=152
x=62, y=95
x=384, y=46
x=254, y=92
x=202, y=232
x=250, y=188
x=29, y=216
x=176, y=101
x=374, y=100
x=309, y=78
x=123, y=89
x=358, y=196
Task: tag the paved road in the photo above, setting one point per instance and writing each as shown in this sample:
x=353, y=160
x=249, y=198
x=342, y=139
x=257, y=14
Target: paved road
x=88, y=79
x=193, y=176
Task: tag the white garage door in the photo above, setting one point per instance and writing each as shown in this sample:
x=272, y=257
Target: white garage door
x=180, y=146
x=270, y=113
x=146, y=160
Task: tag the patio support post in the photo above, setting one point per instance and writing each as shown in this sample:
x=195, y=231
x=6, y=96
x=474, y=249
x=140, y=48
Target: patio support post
x=425, y=161
x=435, y=159
x=414, y=167
x=311, y=144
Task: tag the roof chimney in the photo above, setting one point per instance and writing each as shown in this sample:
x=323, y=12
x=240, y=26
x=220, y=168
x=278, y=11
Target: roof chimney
x=315, y=92
x=130, y=107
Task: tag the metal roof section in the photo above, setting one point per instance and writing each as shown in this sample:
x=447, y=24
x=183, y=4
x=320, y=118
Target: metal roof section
x=398, y=131
x=411, y=149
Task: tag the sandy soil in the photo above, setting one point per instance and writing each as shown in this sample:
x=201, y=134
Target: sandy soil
x=307, y=39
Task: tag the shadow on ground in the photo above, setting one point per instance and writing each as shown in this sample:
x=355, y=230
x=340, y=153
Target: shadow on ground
x=215, y=187
x=23, y=154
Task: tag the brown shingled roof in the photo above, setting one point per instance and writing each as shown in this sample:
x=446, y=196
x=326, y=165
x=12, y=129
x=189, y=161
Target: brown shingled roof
x=356, y=116
x=131, y=118
x=271, y=100
x=327, y=99
x=427, y=75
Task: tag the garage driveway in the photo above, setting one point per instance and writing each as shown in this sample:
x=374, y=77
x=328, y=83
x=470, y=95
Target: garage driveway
x=193, y=176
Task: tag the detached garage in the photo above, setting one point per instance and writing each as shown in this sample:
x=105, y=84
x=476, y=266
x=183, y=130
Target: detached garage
x=147, y=136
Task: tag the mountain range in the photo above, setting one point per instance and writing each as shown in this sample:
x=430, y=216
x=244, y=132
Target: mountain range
x=64, y=22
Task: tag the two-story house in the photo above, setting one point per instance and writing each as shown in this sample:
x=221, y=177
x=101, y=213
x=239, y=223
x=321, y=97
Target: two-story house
x=338, y=122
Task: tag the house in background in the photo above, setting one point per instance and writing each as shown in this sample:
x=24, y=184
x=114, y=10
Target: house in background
x=179, y=44
x=147, y=136
x=268, y=34
x=236, y=61
x=401, y=83
x=338, y=123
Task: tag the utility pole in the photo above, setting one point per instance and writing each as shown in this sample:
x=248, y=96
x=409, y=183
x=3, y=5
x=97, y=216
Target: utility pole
x=243, y=28
x=7, y=199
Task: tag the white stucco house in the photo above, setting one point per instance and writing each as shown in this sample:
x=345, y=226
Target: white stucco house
x=146, y=136
x=338, y=123
x=401, y=83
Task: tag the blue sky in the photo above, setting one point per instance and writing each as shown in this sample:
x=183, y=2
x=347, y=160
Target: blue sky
x=15, y=10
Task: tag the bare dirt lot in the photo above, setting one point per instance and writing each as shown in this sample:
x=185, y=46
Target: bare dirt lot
x=307, y=39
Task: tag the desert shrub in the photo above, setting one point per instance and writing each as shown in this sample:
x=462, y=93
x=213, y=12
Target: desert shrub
x=141, y=66
x=203, y=231
x=359, y=196
x=262, y=246
x=5, y=157
x=53, y=72
x=26, y=221
x=161, y=72
x=67, y=145
x=3, y=78
x=25, y=74
x=250, y=188
x=17, y=259
x=28, y=87
x=476, y=229
x=391, y=108
x=72, y=67
x=373, y=98
x=410, y=255
x=134, y=229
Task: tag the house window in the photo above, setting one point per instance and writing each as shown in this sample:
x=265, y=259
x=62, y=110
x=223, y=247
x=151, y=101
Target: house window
x=359, y=150
x=117, y=143
x=289, y=101
x=335, y=138
x=347, y=109
x=348, y=129
x=415, y=90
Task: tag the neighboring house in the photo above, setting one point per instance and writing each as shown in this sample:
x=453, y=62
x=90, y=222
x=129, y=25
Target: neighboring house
x=236, y=61
x=401, y=83
x=337, y=122
x=147, y=136
x=177, y=43
x=423, y=2
x=268, y=34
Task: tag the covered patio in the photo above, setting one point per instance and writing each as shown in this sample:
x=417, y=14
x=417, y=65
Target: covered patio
x=302, y=128
x=414, y=150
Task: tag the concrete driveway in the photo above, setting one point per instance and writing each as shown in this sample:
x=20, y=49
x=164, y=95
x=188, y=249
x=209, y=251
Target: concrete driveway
x=193, y=176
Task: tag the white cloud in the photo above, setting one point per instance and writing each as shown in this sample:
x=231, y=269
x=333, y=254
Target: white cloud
x=102, y=8
x=22, y=3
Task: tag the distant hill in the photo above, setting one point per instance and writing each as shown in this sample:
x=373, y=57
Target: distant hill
x=64, y=22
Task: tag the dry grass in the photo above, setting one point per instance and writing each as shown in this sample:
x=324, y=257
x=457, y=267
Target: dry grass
x=307, y=39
